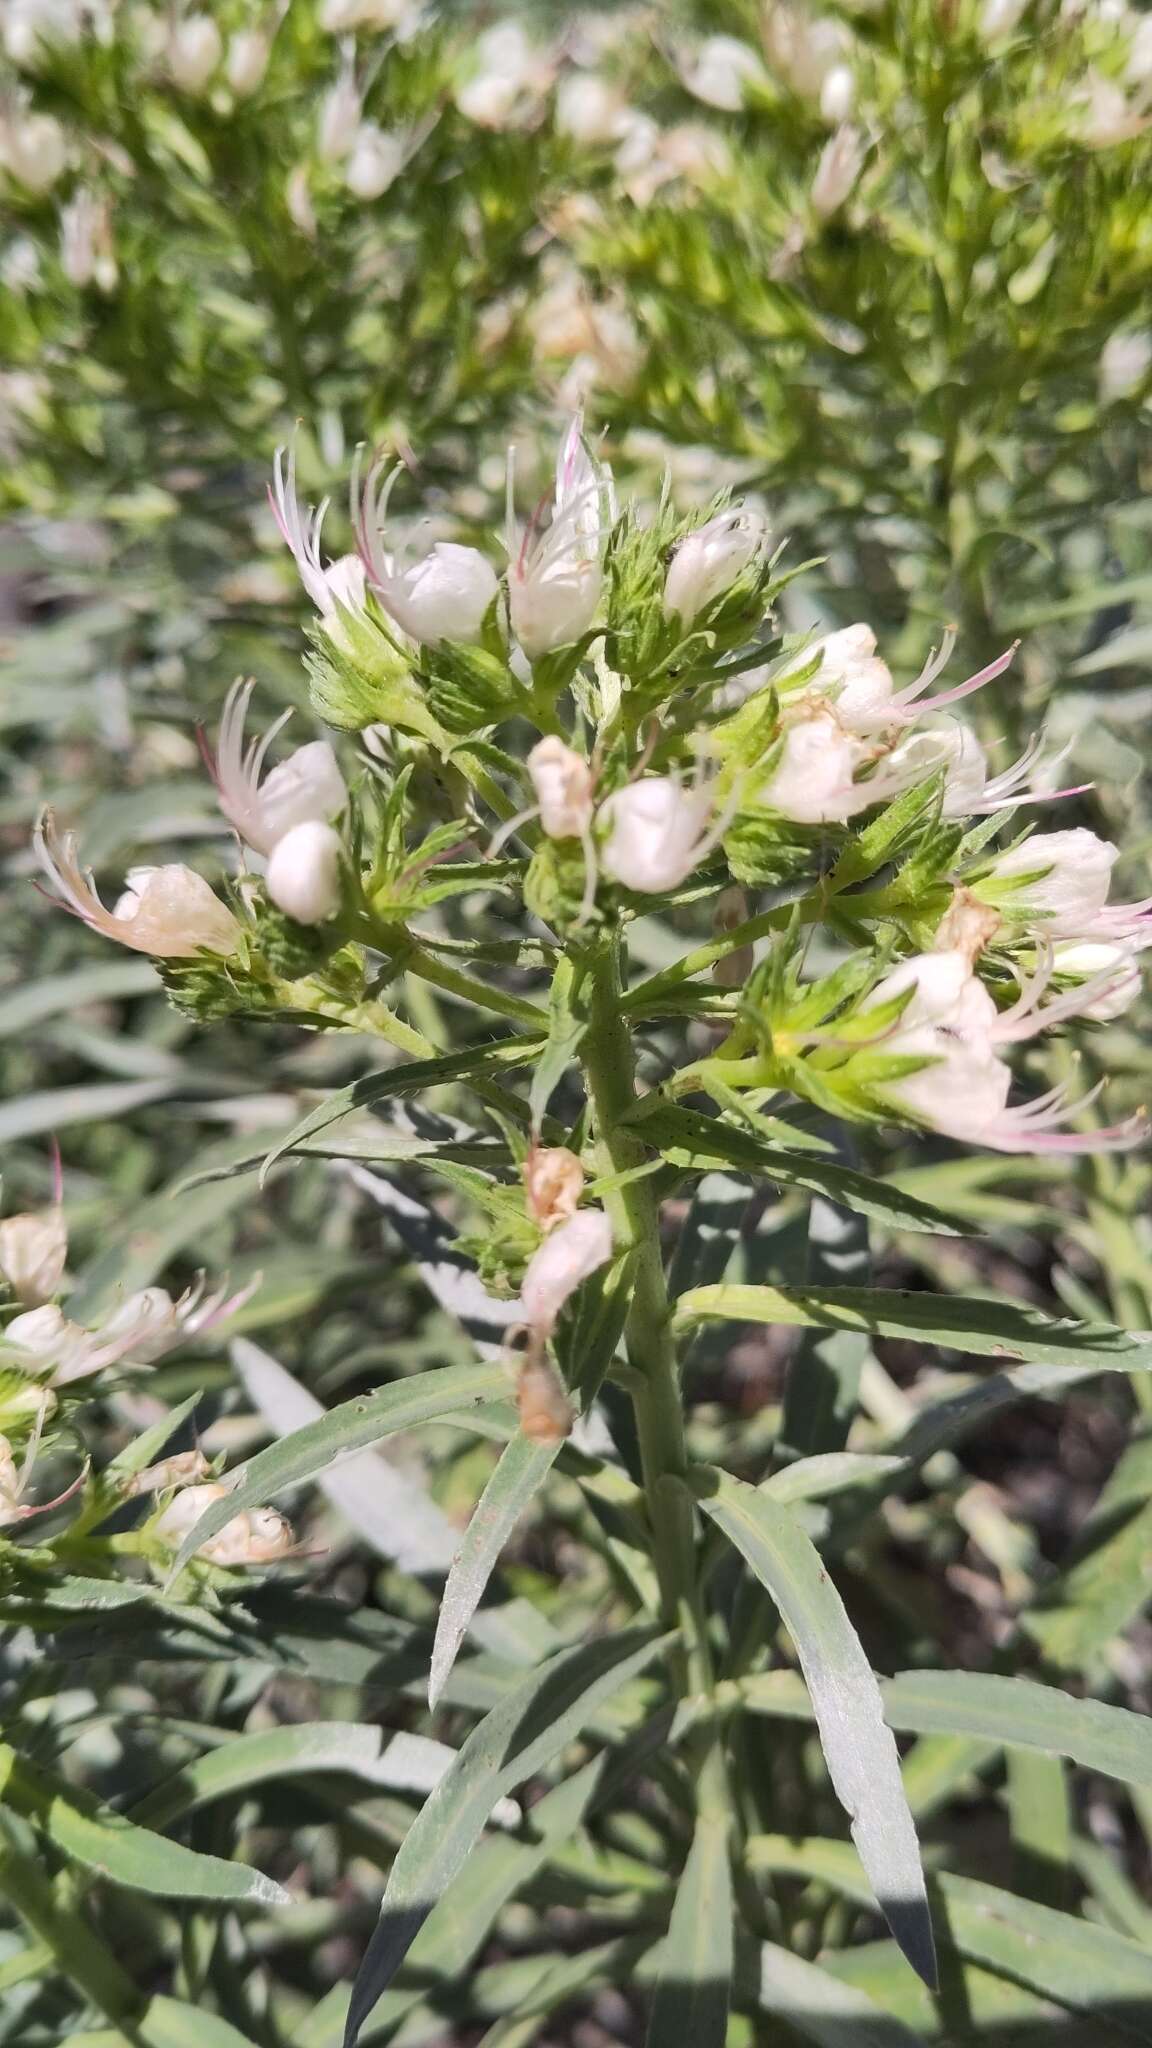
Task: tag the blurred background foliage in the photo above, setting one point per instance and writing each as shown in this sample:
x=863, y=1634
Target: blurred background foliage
x=909, y=311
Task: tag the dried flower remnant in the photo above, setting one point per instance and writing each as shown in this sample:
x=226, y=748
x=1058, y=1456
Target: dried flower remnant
x=567, y=1257
x=553, y=1185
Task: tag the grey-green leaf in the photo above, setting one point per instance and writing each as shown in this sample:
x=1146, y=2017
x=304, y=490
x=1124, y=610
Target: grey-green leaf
x=528, y=1727
x=690, y=2007
x=521, y=1470
x=859, y=1748
x=823, y=2009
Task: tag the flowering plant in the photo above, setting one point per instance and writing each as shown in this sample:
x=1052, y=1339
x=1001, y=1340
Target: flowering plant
x=613, y=722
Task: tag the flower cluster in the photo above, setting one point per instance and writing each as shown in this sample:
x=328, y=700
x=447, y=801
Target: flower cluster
x=684, y=743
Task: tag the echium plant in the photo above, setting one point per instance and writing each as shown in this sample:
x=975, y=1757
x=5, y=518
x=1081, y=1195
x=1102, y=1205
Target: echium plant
x=605, y=726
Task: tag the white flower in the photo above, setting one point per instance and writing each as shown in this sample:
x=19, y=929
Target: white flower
x=10, y=1486
x=562, y=780
x=952, y=1022
x=1125, y=361
x=195, y=47
x=708, y=562
x=510, y=79
x=257, y=1537
x=1090, y=962
x=338, y=118
x=303, y=876
x=999, y=17
x=87, y=255
x=838, y=94
x=1138, y=69
x=33, y=1248
x=375, y=161
x=1104, y=115
x=33, y=149
x=144, y=1326
x=720, y=70
x=589, y=109
x=655, y=833
x=804, y=49
x=841, y=160
x=445, y=596
x=554, y=572
x=338, y=16
x=298, y=200
x=31, y=27
x=306, y=786
x=169, y=912
x=1062, y=878
x=568, y=1255
x=247, y=60
x=340, y=585
x=851, y=676
x=813, y=780
x=952, y=747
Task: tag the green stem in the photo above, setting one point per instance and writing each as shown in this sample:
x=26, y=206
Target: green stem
x=610, y=1072
x=80, y=1956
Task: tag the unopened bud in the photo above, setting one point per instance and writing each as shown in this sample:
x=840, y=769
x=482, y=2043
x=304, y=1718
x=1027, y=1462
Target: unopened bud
x=298, y=200
x=10, y=1510
x=195, y=47
x=33, y=149
x=1060, y=878
x=183, y=1468
x=655, y=834
x=303, y=876
x=708, y=562
x=375, y=161
x=562, y=780
x=1086, y=962
x=837, y=94
x=447, y=596
x=256, y=1538
x=572, y=1252
x=1125, y=361
x=553, y=1185
x=720, y=71
x=589, y=109
x=247, y=61
x=33, y=1249
x=839, y=167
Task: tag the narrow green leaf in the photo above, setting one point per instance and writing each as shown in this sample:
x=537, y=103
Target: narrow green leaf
x=567, y=1024
x=703, y=1144
x=690, y=2006
x=351, y=1427
x=408, y=1077
x=989, y=1328
x=21, y=1008
x=95, y=1102
x=351, y=1747
x=124, y=1853
x=515, y=1740
x=860, y=1752
x=823, y=2009
x=1018, y=1711
x=520, y=1472
x=827, y=1473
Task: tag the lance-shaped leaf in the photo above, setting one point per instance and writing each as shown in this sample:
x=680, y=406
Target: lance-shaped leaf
x=823, y=2009
x=124, y=1853
x=987, y=1327
x=859, y=1748
x=351, y=1427
x=522, y=1469
x=515, y=1740
x=703, y=1144
x=690, y=2008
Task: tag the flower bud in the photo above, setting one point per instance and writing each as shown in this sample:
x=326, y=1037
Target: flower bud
x=195, y=47
x=999, y=17
x=183, y=1468
x=247, y=61
x=837, y=94
x=572, y=1252
x=303, y=876
x=447, y=596
x=553, y=1185
x=1104, y=115
x=1083, y=962
x=374, y=161
x=87, y=255
x=554, y=572
x=1125, y=361
x=803, y=49
x=813, y=780
x=510, y=76
x=719, y=72
x=338, y=119
x=589, y=109
x=33, y=149
x=33, y=1249
x=708, y=562
x=10, y=1510
x=298, y=200
x=1061, y=878
x=655, y=834
x=562, y=780
x=839, y=167
x=258, y=1537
